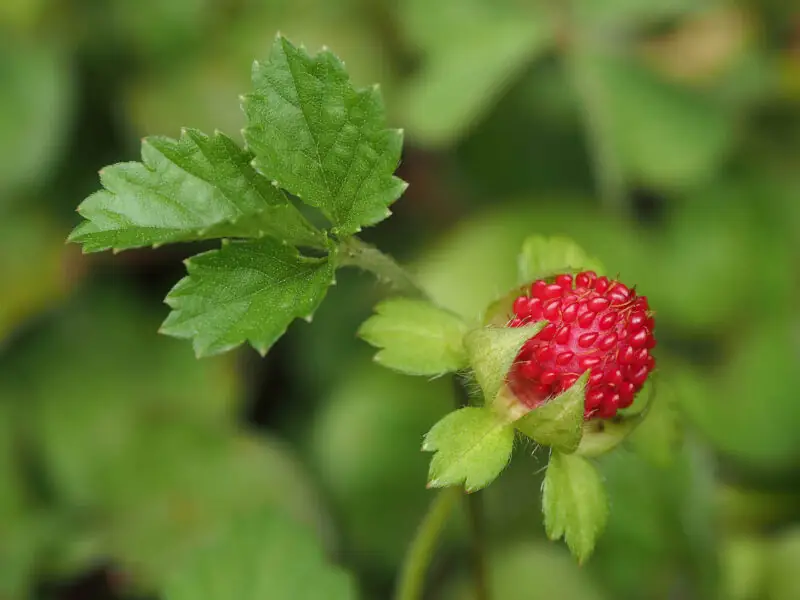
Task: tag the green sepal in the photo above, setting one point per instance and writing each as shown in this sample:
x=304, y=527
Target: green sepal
x=492, y=350
x=473, y=445
x=558, y=423
x=574, y=503
x=542, y=257
x=603, y=435
x=415, y=337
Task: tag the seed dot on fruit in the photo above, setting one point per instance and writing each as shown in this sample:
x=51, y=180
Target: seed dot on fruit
x=598, y=304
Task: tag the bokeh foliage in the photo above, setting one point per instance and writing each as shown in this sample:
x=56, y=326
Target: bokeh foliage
x=121, y=454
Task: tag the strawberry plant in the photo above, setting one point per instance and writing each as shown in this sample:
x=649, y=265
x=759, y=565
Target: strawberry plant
x=562, y=360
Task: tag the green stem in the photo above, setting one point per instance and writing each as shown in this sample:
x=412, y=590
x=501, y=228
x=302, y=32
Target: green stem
x=354, y=252
x=412, y=578
x=591, y=94
x=475, y=516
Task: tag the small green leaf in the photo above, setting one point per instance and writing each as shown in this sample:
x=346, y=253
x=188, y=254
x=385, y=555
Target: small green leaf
x=246, y=291
x=546, y=256
x=321, y=139
x=261, y=556
x=574, y=503
x=559, y=422
x=492, y=351
x=473, y=445
x=197, y=187
x=416, y=337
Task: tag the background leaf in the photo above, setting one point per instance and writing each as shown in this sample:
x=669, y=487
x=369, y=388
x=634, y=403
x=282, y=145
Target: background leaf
x=265, y=556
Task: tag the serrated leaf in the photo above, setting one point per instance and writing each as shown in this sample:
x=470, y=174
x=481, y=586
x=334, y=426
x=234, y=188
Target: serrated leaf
x=492, y=350
x=261, y=556
x=473, y=445
x=247, y=291
x=559, y=422
x=196, y=187
x=321, y=139
x=416, y=337
x=574, y=503
x=545, y=256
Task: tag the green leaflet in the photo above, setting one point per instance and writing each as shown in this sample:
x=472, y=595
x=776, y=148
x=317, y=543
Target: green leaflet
x=574, y=503
x=416, y=337
x=196, y=187
x=247, y=291
x=473, y=445
x=321, y=139
x=492, y=351
x=558, y=422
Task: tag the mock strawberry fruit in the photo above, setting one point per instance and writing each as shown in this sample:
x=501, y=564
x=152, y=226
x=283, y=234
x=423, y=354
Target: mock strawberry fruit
x=595, y=324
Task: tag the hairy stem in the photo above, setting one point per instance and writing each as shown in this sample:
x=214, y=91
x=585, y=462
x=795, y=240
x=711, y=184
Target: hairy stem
x=356, y=253
x=475, y=516
x=412, y=577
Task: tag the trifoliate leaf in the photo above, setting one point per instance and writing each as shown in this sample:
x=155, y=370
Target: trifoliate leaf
x=416, y=337
x=473, y=445
x=492, y=350
x=546, y=256
x=247, y=291
x=574, y=503
x=559, y=422
x=321, y=139
x=196, y=187
x=263, y=556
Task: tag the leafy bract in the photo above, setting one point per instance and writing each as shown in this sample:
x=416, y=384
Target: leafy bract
x=247, y=291
x=546, y=256
x=416, y=337
x=473, y=445
x=322, y=140
x=492, y=351
x=196, y=187
x=261, y=556
x=558, y=422
x=574, y=503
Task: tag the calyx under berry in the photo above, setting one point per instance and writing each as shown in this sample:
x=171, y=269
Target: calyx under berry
x=594, y=323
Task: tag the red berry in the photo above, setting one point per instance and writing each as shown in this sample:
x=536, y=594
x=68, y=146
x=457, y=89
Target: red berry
x=594, y=323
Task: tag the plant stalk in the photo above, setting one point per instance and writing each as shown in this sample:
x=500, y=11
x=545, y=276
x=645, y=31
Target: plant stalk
x=356, y=253
x=411, y=583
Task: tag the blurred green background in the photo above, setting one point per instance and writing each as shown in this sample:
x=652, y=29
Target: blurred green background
x=662, y=135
